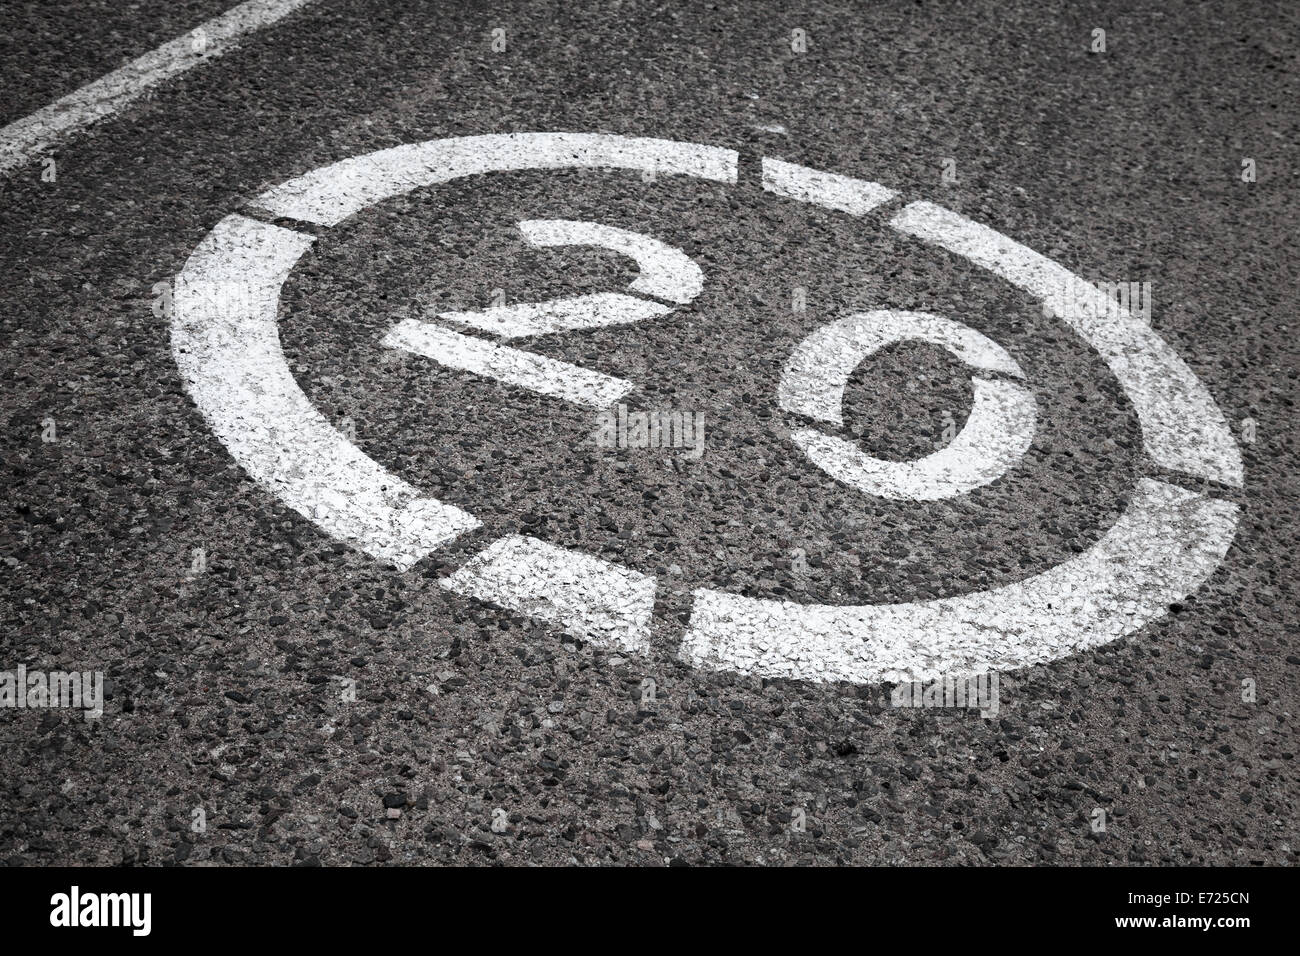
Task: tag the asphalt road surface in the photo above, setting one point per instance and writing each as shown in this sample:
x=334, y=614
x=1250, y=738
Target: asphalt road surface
x=387, y=576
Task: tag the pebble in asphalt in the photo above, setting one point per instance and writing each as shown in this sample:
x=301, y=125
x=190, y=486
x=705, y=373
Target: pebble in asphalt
x=298, y=691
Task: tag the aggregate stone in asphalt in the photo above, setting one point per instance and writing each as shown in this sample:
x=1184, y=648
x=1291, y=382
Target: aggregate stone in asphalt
x=276, y=694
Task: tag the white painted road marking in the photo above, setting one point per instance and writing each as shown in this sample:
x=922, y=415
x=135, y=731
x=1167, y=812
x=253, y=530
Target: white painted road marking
x=844, y=193
x=819, y=368
x=665, y=272
x=329, y=195
x=235, y=369
x=1161, y=549
x=996, y=435
x=512, y=366
x=227, y=346
x=559, y=315
x=1182, y=428
x=26, y=138
x=588, y=597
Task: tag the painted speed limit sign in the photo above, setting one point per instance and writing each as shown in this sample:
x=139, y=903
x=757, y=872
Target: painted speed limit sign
x=1166, y=542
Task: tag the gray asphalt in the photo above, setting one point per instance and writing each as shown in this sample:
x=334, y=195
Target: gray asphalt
x=224, y=686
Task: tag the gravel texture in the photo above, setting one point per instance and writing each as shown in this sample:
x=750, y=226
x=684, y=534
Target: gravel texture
x=230, y=689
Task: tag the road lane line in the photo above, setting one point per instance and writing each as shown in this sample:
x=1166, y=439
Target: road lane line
x=26, y=138
x=512, y=366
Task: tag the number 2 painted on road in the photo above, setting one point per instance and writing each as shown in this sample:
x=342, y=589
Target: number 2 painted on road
x=665, y=273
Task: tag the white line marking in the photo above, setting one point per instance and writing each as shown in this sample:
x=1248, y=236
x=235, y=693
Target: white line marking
x=333, y=193
x=512, y=366
x=819, y=368
x=1182, y=427
x=27, y=137
x=665, y=272
x=559, y=315
x=227, y=346
x=590, y=598
x=996, y=436
x=1161, y=549
x=845, y=193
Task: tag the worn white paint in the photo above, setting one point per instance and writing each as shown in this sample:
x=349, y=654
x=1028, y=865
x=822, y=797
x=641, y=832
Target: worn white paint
x=29, y=137
x=1182, y=427
x=819, y=368
x=227, y=346
x=509, y=365
x=520, y=319
x=843, y=193
x=1163, y=547
x=665, y=272
x=588, y=597
x=333, y=193
x=995, y=436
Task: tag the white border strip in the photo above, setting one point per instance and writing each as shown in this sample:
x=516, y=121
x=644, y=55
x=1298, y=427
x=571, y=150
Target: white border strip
x=24, y=138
